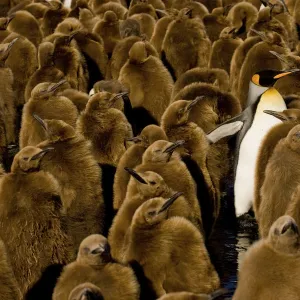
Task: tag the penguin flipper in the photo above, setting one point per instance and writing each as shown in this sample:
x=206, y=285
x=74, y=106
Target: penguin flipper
x=168, y=65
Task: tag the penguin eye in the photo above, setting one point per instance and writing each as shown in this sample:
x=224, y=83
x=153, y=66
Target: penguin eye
x=180, y=113
x=26, y=158
x=151, y=213
x=152, y=182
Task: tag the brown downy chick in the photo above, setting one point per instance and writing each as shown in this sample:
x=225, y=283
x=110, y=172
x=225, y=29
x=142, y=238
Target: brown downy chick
x=275, y=260
x=47, y=104
x=94, y=265
x=79, y=176
x=25, y=24
x=4, y=33
x=46, y=72
x=79, y=99
x=142, y=7
x=199, y=10
x=22, y=66
x=132, y=158
x=107, y=128
x=215, y=107
x=117, y=8
x=223, y=50
x=86, y=291
x=38, y=10
x=96, y=4
x=147, y=24
x=143, y=187
x=88, y=19
x=191, y=296
x=9, y=288
x=258, y=59
x=75, y=11
x=160, y=157
x=7, y=99
x=31, y=218
x=68, y=26
x=217, y=77
x=173, y=243
x=184, y=44
x=281, y=171
x=241, y=17
x=108, y=29
x=138, y=76
x=289, y=118
x=216, y=21
x=69, y=60
x=157, y=4
x=55, y=15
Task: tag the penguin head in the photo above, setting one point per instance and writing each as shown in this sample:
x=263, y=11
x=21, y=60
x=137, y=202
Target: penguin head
x=94, y=250
x=270, y=37
x=288, y=61
x=149, y=184
x=228, y=33
x=277, y=6
x=56, y=5
x=178, y=112
x=293, y=139
x=129, y=27
x=56, y=130
x=110, y=17
x=68, y=26
x=104, y=100
x=162, y=152
x=284, y=236
x=287, y=115
x=28, y=159
x=4, y=22
x=64, y=40
x=86, y=291
x=45, y=54
x=45, y=90
x=112, y=86
x=138, y=53
x=5, y=49
x=154, y=211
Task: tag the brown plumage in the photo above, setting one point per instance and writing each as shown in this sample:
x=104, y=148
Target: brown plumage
x=88, y=19
x=3, y=28
x=94, y=265
x=25, y=24
x=142, y=7
x=258, y=59
x=281, y=171
x=198, y=9
x=108, y=29
x=215, y=107
x=55, y=15
x=46, y=72
x=117, y=8
x=147, y=24
x=9, y=288
x=132, y=157
x=111, y=86
x=212, y=76
x=181, y=260
x=223, y=50
x=157, y=4
x=186, y=44
x=129, y=27
x=79, y=176
x=290, y=118
x=143, y=187
x=107, y=128
x=38, y=10
x=86, y=291
x=31, y=218
x=78, y=98
x=138, y=76
x=47, y=104
x=275, y=261
x=68, y=26
x=75, y=10
x=191, y=296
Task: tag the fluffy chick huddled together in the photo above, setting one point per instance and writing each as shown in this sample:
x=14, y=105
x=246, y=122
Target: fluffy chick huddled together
x=116, y=127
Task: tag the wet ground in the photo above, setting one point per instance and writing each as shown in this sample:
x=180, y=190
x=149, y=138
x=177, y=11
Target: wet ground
x=229, y=242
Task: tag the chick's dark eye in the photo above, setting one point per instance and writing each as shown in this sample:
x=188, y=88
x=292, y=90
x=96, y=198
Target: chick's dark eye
x=152, y=182
x=151, y=213
x=25, y=158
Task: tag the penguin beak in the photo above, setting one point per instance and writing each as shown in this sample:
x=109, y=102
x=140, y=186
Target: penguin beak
x=233, y=32
x=41, y=154
x=55, y=86
x=41, y=121
x=72, y=35
x=279, y=115
x=134, y=174
x=169, y=202
x=290, y=225
x=9, y=19
x=135, y=139
x=87, y=294
x=173, y=147
x=261, y=34
x=116, y=97
x=286, y=72
x=11, y=44
x=193, y=103
x=189, y=12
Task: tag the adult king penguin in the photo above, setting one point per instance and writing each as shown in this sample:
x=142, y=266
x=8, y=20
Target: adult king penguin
x=262, y=96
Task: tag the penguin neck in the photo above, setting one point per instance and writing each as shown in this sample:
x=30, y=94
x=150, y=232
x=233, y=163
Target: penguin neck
x=271, y=99
x=255, y=91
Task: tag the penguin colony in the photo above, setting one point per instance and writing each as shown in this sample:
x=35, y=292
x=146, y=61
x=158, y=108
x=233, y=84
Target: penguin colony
x=123, y=124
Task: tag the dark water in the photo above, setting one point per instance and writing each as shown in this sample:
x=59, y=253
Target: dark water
x=229, y=242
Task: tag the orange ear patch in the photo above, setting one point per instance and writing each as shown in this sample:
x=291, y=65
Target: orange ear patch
x=255, y=79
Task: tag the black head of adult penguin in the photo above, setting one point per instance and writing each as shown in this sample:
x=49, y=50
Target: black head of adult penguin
x=4, y=51
x=86, y=291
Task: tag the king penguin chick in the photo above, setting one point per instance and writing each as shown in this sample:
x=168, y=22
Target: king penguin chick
x=31, y=217
x=161, y=158
x=289, y=118
x=107, y=128
x=138, y=76
x=116, y=7
x=47, y=104
x=223, y=50
x=281, y=169
x=94, y=265
x=88, y=19
x=24, y=23
x=132, y=157
x=108, y=29
x=151, y=231
x=210, y=160
x=143, y=187
x=79, y=176
x=46, y=72
x=275, y=260
x=9, y=287
x=184, y=44
x=4, y=22
x=86, y=291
